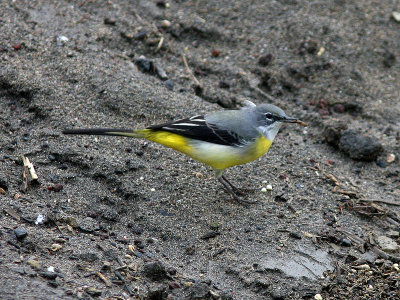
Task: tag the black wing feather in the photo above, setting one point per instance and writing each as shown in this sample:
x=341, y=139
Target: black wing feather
x=197, y=128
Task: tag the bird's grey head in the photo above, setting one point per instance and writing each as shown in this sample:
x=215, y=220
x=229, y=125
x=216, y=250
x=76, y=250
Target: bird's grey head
x=269, y=118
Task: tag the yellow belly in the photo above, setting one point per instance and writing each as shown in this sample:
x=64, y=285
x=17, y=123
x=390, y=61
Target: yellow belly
x=217, y=156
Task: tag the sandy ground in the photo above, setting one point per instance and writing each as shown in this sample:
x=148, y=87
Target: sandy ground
x=116, y=218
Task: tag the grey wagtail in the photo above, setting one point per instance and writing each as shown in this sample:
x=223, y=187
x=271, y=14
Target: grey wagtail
x=219, y=139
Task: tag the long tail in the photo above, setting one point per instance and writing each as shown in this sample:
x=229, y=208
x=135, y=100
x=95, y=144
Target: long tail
x=108, y=131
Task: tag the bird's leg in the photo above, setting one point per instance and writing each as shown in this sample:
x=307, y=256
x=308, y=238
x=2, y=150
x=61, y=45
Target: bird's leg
x=234, y=188
x=240, y=191
x=230, y=188
x=233, y=194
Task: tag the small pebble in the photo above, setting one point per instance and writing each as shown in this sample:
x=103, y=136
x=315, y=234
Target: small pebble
x=362, y=267
x=390, y=158
x=360, y=147
x=263, y=190
x=50, y=269
x=20, y=233
x=387, y=244
x=265, y=59
x=169, y=84
x=269, y=187
x=393, y=233
x=61, y=40
x=215, y=53
x=318, y=297
x=296, y=235
x=93, y=292
x=346, y=242
x=34, y=264
x=165, y=23
x=48, y=275
x=55, y=247
x=155, y=271
x=109, y=21
x=396, y=16
x=39, y=220
x=16, y=47
x=210, y=235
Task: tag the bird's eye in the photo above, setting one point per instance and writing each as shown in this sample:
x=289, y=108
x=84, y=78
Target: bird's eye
x=269, y=116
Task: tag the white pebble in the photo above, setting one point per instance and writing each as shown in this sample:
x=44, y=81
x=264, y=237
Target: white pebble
x=263, y=190
x=396, y=16
x=318, y=297
x=50, y=269
x=153, y=189
x=269, y=187
x=165, y=23
x=39, y=219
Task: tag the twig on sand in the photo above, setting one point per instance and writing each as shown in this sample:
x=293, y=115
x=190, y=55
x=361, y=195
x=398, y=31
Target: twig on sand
x=381, y=201
x=189, y=70
x=29, y=166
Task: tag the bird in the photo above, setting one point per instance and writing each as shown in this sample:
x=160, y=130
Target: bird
x=219, y=139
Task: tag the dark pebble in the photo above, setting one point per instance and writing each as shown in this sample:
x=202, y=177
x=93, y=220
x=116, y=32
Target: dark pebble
x=281, y=198
x=137, y=230
x=389, y=59
x=139, y=152
x=144, y=65
x=339, y=108
x=171, y=271
x=190, y=250
x=56, y=187
x=333, y=132
x=88, y=225
x=20, y=233
x=157, y=292
x=48, y=275
x=199, y=291
x=109, y=21
x=89, y=257
x=53, y=178
x=53, y=283
x=138, y=254
x=265, y=59
x=345, y=242
x=224, y=85
x=51, y=157
x=140, y=35
x=381, y=163
x=360, y=147
x=169, y=84
x=296, y=235
x=210, y=235
x=198, y=90
x=215, y=53
x=160, y=72
x=161, y=3
x=155, y=271
x=309, y=46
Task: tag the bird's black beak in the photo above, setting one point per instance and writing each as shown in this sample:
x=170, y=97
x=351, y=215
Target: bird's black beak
x=293, y=120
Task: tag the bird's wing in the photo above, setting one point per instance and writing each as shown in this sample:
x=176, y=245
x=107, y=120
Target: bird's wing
x=199, y=129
